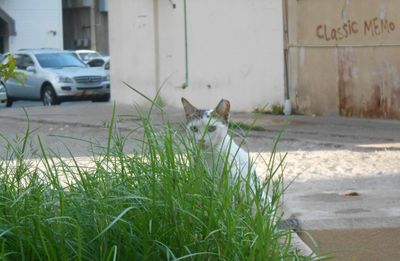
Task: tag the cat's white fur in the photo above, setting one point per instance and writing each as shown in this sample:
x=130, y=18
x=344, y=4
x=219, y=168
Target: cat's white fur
x=218, y=143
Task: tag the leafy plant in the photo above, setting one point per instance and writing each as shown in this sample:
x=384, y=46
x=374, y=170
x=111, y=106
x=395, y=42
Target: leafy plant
x=277, y=109
x=274, y=109
x=7, y=70
x=245, y=127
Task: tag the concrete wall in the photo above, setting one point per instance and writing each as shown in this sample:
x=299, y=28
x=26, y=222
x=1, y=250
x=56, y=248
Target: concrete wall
x=343, y=57
x=234, y=47
x=38, y=23
x=132, y=49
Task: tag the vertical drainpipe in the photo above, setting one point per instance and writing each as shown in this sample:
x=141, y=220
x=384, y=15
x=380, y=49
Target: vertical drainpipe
x=286, y=48
x=287, y=109
x=186, y=83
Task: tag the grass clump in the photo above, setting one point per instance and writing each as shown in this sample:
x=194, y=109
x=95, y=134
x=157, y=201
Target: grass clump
x=245, y=127
x=274, y=109
x=160, y=201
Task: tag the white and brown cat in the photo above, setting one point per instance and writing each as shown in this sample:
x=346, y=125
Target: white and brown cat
x=210, y=130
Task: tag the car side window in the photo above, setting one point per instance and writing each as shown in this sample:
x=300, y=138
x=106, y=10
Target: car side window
x=19, y=59
x=22, y=61
x=28, y=61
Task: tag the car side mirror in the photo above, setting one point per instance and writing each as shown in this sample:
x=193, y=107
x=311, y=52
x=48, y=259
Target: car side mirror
x=31, y=69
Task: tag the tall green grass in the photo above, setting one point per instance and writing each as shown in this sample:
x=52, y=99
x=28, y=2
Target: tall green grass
x=158, y=201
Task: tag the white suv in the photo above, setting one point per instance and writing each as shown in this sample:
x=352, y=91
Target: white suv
x=88, y=55
x=54, y=76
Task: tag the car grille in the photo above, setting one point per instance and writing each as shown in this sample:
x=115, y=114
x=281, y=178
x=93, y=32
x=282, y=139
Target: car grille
x=88, y=79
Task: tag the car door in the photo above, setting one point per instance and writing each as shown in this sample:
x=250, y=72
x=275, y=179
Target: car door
x=30, y=89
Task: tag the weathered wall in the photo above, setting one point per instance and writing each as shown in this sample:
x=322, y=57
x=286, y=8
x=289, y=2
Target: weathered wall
x=235, y=51
x=343, y=57
x=132, y=49
x=38, y=23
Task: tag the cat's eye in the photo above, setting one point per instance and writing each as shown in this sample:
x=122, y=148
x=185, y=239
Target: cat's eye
x=194, y=129
x=211, y=128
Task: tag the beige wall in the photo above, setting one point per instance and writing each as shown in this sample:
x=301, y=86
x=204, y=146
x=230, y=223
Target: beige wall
x=132, y=49
x=344, y=57
x=235, y=51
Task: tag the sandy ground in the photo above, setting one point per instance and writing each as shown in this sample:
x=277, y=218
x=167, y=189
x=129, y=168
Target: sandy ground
x=344, y=184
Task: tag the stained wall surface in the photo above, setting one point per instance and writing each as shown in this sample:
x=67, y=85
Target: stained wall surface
x=343, y=57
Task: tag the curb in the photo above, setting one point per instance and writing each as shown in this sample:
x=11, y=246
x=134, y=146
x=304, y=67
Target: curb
x=299, y=244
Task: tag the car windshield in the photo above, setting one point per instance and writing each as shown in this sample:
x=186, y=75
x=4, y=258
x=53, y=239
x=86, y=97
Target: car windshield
x=58, y=60
x=89, y=56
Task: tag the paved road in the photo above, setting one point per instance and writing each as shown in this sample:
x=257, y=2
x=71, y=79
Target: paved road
x=60, y=127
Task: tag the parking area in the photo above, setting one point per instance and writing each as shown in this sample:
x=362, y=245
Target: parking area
x=54, y=76
x=28, y=104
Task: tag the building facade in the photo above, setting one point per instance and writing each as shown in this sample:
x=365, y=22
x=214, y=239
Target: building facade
x=202, y=50
x=86, y=25
x=30, y=24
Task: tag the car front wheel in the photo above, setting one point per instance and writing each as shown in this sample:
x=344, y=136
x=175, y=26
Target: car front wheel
x=49, y=96
x=8, y=102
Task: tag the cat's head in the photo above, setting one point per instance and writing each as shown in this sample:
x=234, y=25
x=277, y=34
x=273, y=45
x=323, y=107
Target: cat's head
x=208, y=127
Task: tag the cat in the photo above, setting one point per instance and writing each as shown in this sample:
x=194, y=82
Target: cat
x=210, y=130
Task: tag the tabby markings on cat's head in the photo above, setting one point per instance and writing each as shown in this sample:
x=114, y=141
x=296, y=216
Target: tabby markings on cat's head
x=208, y=127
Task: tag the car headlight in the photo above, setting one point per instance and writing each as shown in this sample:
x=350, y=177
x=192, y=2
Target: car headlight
x=105, y=78
x=2, y=88
x=64, y=79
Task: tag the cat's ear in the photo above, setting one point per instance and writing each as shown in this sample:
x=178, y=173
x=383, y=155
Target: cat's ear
x=222, y=109
x=191, y=112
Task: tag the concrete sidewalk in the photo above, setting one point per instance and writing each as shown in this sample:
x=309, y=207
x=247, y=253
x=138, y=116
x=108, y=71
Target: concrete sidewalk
x=344, y=173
